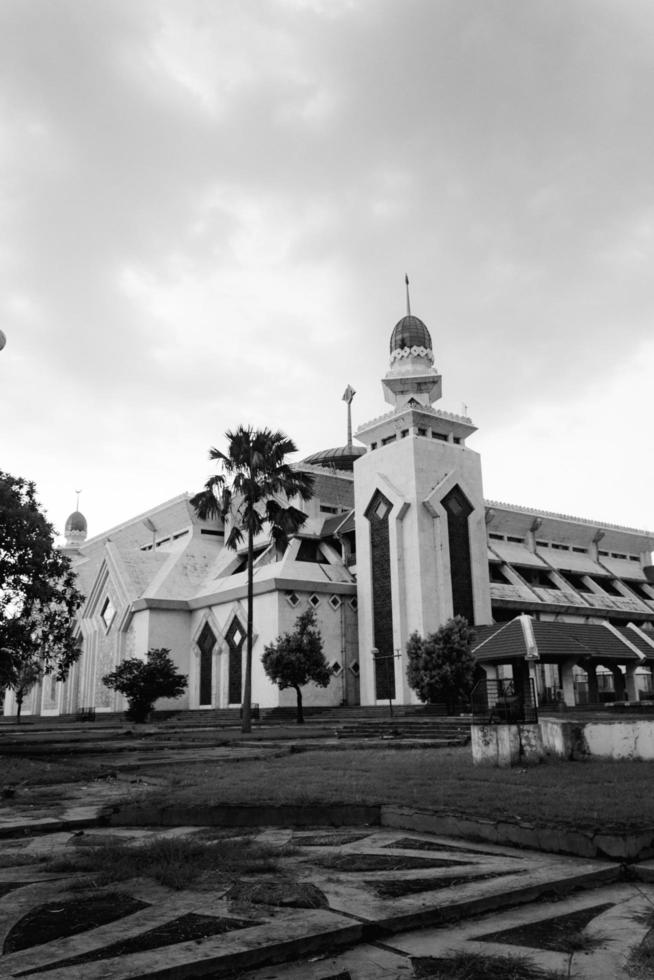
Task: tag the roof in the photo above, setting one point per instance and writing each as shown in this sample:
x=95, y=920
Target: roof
x=410, y=331
x=340, y=458
x=75, y=522
x=557, y=641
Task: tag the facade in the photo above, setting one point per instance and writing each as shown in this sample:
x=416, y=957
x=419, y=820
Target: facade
x=398, y=538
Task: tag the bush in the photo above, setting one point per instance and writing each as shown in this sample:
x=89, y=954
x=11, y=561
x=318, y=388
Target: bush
x=441, y=666
x=143, y=682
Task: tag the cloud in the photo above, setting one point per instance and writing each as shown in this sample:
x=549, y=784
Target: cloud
x=209, y=210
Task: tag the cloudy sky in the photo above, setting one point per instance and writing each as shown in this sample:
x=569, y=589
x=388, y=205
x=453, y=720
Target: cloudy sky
x=207, y=208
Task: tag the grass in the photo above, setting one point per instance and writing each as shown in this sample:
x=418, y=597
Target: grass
x=21, y=771
x=590, y=795
x=480, y=966
x=172, y=861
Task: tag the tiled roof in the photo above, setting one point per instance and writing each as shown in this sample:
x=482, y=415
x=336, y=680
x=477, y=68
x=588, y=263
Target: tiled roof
x=558, y=641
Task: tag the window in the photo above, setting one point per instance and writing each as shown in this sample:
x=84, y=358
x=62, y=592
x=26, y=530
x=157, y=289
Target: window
x=314, y=600
x=326, y=509
x=579, y=551
x=107, y=612
x=355, y=668
x=353, y=603
x=439, y=435
x=388, y=439
x=497, y=575
x=496, y=537
x=514, y=539
x=422, y=432
x=609, y=586
x=293, y=599
x=215, y=534
x=334, y=602
x=578, y=582
x=336, y=668
x=404, y=433
x=538, y=577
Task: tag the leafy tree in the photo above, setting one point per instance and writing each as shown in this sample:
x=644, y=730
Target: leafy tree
x=143, y=682
x=441, y=666
x=254, y=474
x=296, y=659
x=38, y=595
x=26, y=675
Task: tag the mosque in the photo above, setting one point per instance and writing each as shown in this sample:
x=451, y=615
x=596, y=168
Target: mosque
x=398, y=538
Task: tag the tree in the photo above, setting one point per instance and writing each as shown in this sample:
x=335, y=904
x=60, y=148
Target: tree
x=26, y=675
x=296, y=659
x=143, y=682
x=254, y=474
x=441, y=666
x=38, y=595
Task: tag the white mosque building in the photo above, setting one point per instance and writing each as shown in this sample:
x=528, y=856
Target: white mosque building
x=398, y=538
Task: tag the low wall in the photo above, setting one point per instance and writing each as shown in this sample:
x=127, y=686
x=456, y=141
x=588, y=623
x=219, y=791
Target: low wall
x=633, y=739
x=506, y=745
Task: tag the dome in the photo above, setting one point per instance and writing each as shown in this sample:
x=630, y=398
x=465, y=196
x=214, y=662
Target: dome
x=76, y=522
x=410, y=331
x=341, y=458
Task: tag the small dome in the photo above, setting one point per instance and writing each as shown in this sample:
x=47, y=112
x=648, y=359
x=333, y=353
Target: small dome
x=410, y=331
x=341, y=458
x=76, y=522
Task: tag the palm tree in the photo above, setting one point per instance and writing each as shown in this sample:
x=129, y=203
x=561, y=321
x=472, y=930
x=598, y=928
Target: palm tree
x=253, y=476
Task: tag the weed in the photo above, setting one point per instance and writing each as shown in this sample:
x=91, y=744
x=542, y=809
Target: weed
x=175, y=862
x=480, y=966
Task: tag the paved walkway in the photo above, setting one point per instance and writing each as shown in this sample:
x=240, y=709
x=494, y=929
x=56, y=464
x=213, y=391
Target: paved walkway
x=393, y=902
x=353, y=903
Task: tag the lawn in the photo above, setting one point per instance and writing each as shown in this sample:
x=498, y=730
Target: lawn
x=592, y=794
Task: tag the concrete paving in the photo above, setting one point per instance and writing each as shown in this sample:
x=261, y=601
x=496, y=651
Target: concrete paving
x=390, y=897
x=394, y=898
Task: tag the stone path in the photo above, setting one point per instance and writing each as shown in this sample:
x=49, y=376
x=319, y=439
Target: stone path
x=392, y=902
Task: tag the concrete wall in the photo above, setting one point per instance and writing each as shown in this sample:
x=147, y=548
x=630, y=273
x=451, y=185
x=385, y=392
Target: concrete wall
x=599, y=739
x=414, y=474
x=506, y=745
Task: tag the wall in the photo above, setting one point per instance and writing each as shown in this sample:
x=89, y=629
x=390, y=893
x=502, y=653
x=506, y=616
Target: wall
x=506, y=745
x=599, y=739
x=414, y=474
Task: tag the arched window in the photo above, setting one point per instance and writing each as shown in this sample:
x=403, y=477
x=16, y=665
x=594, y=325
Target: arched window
x=377, y=513
x=206, y=643
x=235, y=638
x=458, y=510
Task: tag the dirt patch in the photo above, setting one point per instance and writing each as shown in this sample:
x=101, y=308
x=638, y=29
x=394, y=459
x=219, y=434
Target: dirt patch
x=58, y=920
x=382, y=862
x=188, y=928
x=399, y=887
x=558, y=934
x=280, y=892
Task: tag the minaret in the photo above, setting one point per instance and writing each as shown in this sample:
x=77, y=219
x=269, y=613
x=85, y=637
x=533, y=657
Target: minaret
x=420, y=518
x=75, y=530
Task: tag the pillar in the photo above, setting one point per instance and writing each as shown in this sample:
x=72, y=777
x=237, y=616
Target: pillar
x=567, y=682
x=618, y=682
x=631, y=682
x=593, y=689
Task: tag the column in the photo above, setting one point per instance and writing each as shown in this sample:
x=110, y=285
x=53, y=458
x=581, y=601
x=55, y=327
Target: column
x=618, y=682
x=593, y=690
x=631, y=682
x=567, y=682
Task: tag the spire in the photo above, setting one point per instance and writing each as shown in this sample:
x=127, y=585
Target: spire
x=408, y=298
x=348, y=395
x=78, y=492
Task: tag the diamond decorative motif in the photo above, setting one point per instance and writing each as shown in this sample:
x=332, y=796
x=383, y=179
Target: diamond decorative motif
x=293, y=599
x=353, y=603
x=336, y=668
x=314, y=600
x=355, y=668
x=334, y=602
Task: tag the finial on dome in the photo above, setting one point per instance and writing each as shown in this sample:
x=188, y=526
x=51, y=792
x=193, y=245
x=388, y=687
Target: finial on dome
x=348, y=395
x=76, y=528
x=408, y=298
